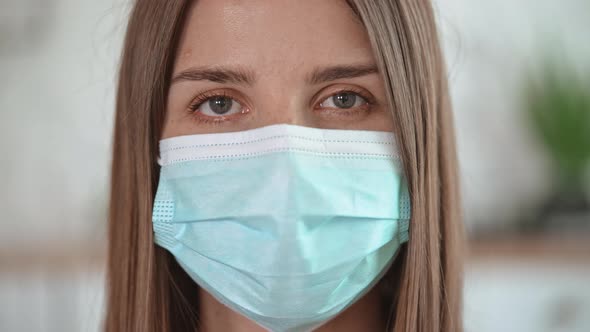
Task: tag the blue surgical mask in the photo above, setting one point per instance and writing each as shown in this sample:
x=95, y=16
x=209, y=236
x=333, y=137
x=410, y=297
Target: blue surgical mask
x=287, y=225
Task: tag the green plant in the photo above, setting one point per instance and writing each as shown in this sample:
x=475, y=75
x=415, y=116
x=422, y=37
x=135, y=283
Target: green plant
x=558, y=107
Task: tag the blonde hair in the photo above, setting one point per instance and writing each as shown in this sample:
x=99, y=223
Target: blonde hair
x=148, y=291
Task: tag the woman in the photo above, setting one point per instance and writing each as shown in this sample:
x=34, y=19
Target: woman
x=285, y=166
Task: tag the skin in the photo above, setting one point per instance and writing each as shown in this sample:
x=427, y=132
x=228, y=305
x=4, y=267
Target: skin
x=278, y=43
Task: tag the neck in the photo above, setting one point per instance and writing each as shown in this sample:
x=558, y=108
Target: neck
x=366, y=314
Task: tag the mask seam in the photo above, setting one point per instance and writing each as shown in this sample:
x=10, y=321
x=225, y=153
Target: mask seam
x=273, y=137
x=242, y=156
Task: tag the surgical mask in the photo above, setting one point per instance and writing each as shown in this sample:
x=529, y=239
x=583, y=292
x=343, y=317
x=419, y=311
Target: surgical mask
x=286, y=225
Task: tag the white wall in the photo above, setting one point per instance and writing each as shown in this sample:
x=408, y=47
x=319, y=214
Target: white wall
x=56, y=99
x=490, y=45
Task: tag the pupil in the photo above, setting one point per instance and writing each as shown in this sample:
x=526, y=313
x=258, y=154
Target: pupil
x=344, y=100
x=220, y=105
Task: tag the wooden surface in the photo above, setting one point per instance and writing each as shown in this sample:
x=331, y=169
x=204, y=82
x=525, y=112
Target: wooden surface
x=533, y=248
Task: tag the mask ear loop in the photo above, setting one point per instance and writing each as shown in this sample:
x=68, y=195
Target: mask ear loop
x=159, y=158
x=389, y=286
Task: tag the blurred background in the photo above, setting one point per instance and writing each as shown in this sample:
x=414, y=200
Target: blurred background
x=520, y=80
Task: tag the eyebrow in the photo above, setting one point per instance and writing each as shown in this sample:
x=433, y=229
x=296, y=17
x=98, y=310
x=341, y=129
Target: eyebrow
x=322, y=75
x=216, y=74
x=240, y=75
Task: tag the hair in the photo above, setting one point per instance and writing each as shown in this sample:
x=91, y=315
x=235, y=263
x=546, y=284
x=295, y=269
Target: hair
x=148, y=291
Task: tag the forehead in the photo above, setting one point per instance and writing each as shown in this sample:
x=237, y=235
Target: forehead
x=277, y=36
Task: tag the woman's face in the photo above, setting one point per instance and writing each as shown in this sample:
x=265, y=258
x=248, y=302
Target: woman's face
x=247, y=64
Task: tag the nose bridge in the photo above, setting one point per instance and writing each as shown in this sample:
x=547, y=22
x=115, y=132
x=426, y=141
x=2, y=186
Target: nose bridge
x=284, y=106
x=282, y=100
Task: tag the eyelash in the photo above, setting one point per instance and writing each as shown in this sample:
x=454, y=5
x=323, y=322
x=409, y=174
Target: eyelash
x=203, y=97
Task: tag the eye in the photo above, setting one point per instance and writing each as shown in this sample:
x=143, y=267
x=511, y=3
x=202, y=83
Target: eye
x=344, y=100
x=216, y=105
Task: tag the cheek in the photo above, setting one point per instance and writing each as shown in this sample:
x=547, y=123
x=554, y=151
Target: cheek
x=381, y=121
x=171, y=126
x=177, y=122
